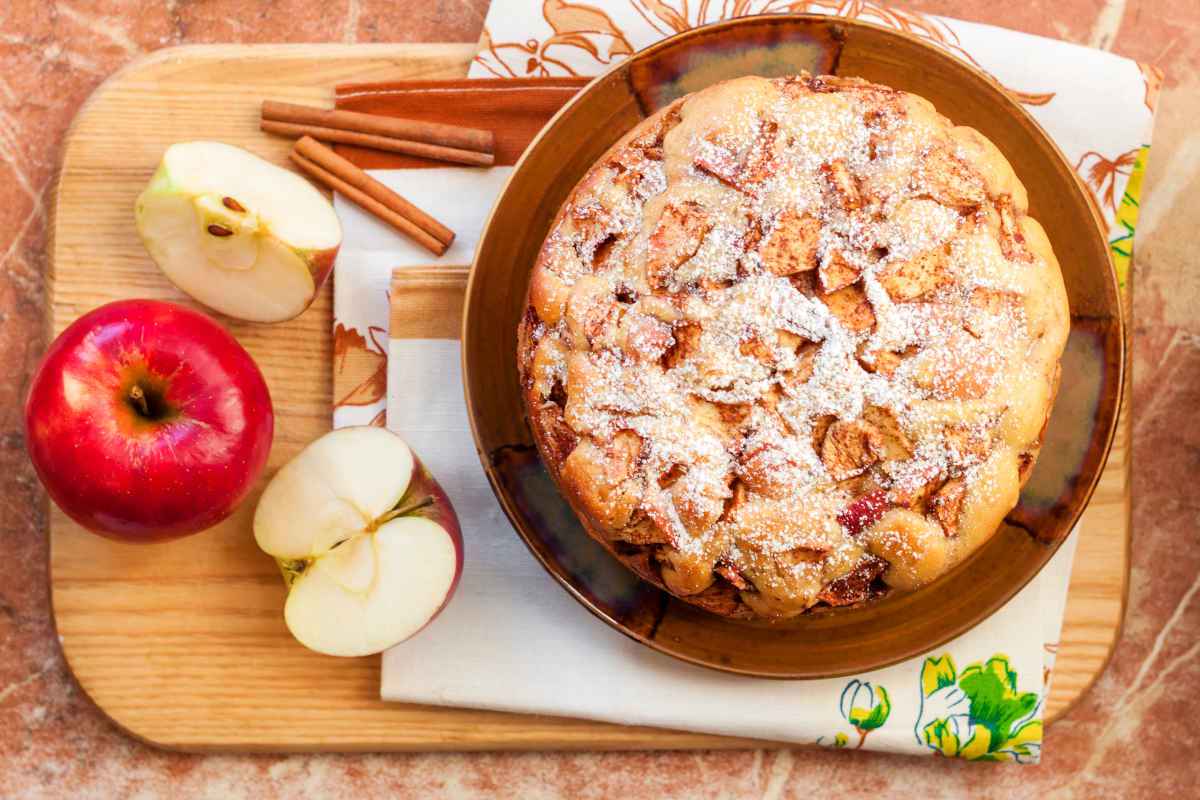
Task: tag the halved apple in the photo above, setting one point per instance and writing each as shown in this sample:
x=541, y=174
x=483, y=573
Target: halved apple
x=368, y=543
x=237, y=233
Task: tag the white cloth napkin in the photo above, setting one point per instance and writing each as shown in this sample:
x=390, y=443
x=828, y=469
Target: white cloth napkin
x=514, y=640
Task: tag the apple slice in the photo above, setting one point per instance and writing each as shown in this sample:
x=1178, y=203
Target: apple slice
x=368, y=543
x=237, y=233
x=864, y=512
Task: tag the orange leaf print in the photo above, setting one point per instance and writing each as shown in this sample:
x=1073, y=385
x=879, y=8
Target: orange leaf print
x=497, y=62
x=573, y=25
x=359, y=368
x=676, y=21
x=1100, y=174
x=1031, y=98
x=586, y=29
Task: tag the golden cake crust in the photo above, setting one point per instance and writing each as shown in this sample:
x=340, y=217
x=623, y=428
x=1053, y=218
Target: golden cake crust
x=793, y=342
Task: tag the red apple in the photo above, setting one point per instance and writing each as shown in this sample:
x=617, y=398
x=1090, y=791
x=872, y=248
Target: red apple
x=864, y=512
x=368, y=543
x=147, y=421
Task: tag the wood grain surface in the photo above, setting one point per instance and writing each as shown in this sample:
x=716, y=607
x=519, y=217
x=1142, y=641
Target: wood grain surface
x=183, y=644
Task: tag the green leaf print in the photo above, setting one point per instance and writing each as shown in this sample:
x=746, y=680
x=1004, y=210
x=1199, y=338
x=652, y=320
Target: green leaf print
x=995, y=702
x=977, y=713
x=872, y=717
x=1125, y=223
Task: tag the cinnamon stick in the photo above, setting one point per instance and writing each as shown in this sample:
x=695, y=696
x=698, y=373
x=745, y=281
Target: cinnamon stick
x=453, y=155
x=335, y=172
x=477, y=140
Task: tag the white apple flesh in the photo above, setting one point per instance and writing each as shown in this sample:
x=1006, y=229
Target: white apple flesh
x=368, y=543
x=237, y=233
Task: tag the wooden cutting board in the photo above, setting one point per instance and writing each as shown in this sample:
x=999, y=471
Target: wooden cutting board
x=183, y=644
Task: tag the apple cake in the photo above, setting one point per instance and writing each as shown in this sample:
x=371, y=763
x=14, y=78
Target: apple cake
x=791, y=343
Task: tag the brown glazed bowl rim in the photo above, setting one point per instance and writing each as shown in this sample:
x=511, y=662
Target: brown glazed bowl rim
x=1103, y=434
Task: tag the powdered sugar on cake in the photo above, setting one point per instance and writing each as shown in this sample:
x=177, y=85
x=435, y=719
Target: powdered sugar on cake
x=782, y=336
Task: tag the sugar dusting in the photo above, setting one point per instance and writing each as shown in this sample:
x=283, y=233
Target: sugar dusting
x=760, y=363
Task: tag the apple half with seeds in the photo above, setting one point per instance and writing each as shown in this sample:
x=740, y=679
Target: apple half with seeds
x=367, y=541
x=237, y=233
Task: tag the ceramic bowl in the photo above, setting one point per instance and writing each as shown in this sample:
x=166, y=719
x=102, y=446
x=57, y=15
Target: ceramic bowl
x=831, y=642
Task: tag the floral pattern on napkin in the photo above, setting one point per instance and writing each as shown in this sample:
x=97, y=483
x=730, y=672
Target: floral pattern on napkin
x=360, y=370
x=866, y=707
x=585, y=39
x=978, y=714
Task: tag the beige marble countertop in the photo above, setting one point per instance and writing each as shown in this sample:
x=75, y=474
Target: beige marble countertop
x=1135, y=734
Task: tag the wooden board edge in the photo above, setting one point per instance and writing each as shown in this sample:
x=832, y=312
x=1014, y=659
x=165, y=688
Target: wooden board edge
x=637, y=739
x=1125, y=432
x=61, y=167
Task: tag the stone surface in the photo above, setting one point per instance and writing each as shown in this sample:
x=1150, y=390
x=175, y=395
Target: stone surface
x=1132, y=736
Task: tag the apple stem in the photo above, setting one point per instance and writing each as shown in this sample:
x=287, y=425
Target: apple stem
x=139, y=399
x=400, y=511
